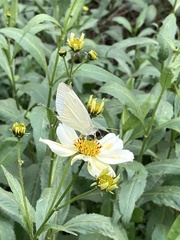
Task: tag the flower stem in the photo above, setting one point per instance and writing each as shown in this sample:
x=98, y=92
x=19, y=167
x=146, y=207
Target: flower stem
x=29, y=223
x=10, y=62
x=53, y=208
x=146, y=134
x=76, y=198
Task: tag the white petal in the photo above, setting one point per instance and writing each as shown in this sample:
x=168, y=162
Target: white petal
x=59, y=149
x=111, y=142
x=115, y=158
x=66, y=135
x=80, y=157
x=95, y=167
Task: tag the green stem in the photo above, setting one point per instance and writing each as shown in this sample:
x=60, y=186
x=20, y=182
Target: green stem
x=29, y=223
x=175, y=2
x=12, y=74
x=146, y=134
x=53, y=207
x=171, y=144
x=76, y=198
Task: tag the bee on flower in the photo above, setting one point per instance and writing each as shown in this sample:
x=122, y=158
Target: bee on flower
x=99, y=154
x=76, y=44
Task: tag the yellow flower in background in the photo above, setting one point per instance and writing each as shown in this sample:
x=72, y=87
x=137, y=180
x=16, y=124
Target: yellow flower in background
x=106, y=182
x=18, y=129
x=99, y=154
x=93, y=107
x=85, y=8
x=76, y=44
x=92, y=55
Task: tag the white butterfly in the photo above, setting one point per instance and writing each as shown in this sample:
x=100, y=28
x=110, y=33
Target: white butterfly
x=72, y=112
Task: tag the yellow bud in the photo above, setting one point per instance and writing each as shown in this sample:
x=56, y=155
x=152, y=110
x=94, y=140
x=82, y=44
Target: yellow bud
x=18, y=129
x=62, y=52
x=85, y=8
x=106, y=182
x=92, y=55
x=93, y=107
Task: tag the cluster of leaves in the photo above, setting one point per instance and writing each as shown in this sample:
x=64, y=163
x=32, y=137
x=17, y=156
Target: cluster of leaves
x=138, y=74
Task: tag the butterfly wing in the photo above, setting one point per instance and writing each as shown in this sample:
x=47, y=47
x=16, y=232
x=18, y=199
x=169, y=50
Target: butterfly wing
x=71, y=111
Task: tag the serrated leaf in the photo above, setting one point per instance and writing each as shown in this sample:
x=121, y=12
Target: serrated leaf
x=73, y=13
x=40, y=125
x=29, y=43
x=164, y=195
x=9, y=206
x=125, y=96
x=96, y=74
x=17, y=192
x=174, y=232
x=92, y=223
x=131, y=189
x=6, y=229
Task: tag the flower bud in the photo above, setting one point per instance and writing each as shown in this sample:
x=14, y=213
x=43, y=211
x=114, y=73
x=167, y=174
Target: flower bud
x=62, y=52
x=18, y=129
x=92, y=55
x=93, y=107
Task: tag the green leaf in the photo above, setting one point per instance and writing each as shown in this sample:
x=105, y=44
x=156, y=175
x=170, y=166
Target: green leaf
x=39, y=19
x=9, y=112
x=29, y=43
x=6, y=229
x=17, y=192
x=37, y=91
x=169, y=166
x=96, y=73
x=14, y=12
x=73, y=13
x=129, y=42
x=174, y=232
x=8, y=150
x=4, y=64
x=167, y=32
x=141, y=18
x=131, y=189
x=9, y=206
x=125, y=96
x=93, y=223
x=166, y=78
x=42, y=208
x=163, y=195
x=172, y=124
x=123, y=21
x=40, y=125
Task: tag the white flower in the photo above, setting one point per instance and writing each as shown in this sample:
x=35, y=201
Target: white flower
x=99, y=154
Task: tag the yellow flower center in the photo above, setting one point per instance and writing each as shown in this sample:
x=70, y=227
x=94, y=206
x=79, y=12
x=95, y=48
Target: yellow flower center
x=76, y=44
x=105, y=180
x=88, y=147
